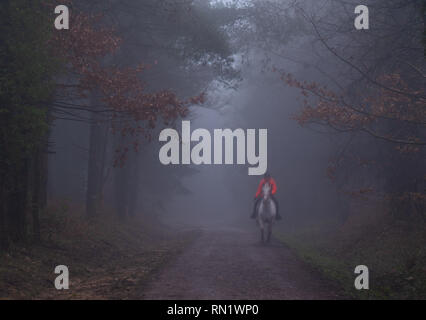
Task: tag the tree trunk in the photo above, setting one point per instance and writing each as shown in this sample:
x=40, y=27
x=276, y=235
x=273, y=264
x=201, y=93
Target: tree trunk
x=121, y=192
x=44, y=166
x=37, y=192
x=95, y=165
x=134, y=185
x=17, y=203
x=102, y=169
x=3, y=228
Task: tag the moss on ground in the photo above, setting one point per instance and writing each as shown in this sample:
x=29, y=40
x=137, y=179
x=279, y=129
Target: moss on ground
x=106, y=259
x=394, y=251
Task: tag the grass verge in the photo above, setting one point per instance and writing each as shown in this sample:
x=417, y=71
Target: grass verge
x=106, y=259
x=393, y=251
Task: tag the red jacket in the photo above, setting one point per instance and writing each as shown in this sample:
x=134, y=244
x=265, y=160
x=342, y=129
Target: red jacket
x=262, y=182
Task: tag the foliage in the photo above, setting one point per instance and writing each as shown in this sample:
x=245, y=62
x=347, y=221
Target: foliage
x=139, y=248
x=389, y=249
x=371, y=92
x=394, y=102
x=26, y=84
x=120, y=90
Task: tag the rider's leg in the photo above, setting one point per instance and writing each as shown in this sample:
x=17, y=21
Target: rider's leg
x=253, y=215
x=278, y=217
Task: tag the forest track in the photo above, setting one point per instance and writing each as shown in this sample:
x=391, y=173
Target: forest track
x=232, y=264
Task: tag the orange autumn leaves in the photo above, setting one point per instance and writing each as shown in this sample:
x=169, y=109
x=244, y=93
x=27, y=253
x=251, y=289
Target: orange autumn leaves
x=389, y=110
x=394, y=102
x=88, y=50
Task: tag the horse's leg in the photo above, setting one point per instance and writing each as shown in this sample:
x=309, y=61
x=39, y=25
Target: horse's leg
x=262, y=228
x=269, y=231
x=260, y=223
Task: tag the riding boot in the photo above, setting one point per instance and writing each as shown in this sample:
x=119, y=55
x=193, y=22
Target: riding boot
x=277, y=216
x=254, y=213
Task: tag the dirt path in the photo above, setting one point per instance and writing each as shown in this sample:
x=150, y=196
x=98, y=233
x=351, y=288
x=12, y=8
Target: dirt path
x=232, y=264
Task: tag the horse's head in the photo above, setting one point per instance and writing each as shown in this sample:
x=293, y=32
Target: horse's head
x=266, y=191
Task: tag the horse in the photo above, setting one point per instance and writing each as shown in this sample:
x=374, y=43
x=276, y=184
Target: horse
x=266, y=212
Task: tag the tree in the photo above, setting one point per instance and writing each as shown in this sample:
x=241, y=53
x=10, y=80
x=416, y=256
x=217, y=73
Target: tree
x=378, y=100
x=26, y=85
x=180, y=56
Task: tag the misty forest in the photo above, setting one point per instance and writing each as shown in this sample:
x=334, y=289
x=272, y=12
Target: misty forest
x=83, y=184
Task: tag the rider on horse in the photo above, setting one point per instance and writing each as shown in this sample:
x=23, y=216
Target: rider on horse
x=266, y=179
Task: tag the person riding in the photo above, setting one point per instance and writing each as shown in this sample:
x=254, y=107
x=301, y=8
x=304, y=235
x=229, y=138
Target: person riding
x=258, y=197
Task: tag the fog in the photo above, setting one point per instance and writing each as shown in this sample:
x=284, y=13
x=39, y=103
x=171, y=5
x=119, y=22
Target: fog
x=297, y=158
x=223, y=194
x=246, y=93
x=96, y=97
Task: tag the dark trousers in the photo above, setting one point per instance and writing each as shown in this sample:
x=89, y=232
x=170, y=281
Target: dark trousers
x=258, y=199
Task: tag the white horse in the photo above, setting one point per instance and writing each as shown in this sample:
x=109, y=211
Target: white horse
x=266, y=212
